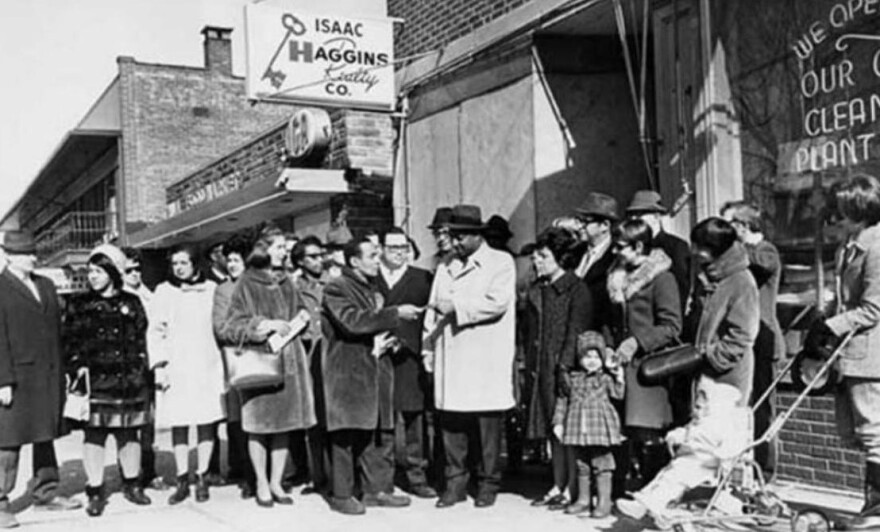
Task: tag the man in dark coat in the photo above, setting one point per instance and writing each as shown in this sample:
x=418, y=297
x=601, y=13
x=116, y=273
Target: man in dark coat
x=31, y=376
x=647, y=205
x=401, y=284
x=598, y=213
x=358, y=382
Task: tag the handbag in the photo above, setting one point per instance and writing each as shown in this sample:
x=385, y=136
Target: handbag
x=252, y=367
x=657, y=367
x=76, y=404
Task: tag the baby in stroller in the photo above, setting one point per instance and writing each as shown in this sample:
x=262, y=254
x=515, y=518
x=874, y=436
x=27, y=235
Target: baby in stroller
x=717, y=432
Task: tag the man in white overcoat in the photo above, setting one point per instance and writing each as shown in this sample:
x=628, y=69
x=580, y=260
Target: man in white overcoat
x=469, y=346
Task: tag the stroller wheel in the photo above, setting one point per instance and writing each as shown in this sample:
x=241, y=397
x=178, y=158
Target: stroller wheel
x=810, y=520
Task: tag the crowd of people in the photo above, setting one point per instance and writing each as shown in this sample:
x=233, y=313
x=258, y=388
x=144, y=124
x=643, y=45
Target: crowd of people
x=407, y=377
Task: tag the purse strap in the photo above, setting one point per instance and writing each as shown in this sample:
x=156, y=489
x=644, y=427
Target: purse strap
x=80, y=376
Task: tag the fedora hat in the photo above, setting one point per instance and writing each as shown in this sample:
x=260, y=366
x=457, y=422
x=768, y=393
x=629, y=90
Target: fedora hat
x=466, y=218
x=442, y=216
x=646, y=201
x=19, y=243
x=599, y=205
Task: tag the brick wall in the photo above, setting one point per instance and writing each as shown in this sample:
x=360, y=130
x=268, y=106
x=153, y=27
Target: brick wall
x=362, y=140
x=430, y=24
x=809, y=449
x=176, y=119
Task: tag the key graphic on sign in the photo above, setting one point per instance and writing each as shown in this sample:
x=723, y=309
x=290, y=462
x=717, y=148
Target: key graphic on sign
x=295, y=27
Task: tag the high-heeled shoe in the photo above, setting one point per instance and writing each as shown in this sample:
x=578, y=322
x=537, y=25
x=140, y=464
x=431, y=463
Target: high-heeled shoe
x=264, y=504
x=284, y=500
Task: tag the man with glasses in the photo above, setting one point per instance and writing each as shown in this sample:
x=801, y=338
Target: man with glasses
x=401, y=284
x=307, y=256
x=598, y=213
x=469, y=345
x=133, y=282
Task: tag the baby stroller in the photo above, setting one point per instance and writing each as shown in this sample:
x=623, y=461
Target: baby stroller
x=741, y=496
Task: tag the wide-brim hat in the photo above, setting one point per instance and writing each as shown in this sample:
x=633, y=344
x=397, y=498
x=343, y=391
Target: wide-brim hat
x=116, y=256
x=466, y=218
x=19, y=243
x=498, y=227
x=442, y=216
x=646, y=201
x=599, y=205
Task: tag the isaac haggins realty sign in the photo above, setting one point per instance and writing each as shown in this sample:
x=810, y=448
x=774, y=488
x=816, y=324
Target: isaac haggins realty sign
x=319, y=59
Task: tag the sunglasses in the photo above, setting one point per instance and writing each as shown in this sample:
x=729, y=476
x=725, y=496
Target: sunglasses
x=620, y=246
x=133, y=269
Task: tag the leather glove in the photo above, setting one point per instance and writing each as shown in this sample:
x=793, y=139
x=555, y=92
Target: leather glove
x=820, y=341
x=563, y=382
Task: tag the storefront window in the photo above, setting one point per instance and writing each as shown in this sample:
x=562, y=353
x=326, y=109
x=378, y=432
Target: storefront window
x=805, y=84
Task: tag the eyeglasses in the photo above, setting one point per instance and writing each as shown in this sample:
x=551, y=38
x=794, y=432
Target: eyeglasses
x=620, y=246
x=314, y=255
x=440, y=232
x=403, y=248
x=133, y=269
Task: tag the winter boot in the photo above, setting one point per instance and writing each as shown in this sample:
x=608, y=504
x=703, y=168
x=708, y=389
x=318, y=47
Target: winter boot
x=202, y=494
x=182, y=492
x=869, y=517
x=133, y=491
x=97, y=502
x=603, y=490
x=582, y=504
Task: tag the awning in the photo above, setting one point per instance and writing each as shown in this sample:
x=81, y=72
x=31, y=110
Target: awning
x=296, y=191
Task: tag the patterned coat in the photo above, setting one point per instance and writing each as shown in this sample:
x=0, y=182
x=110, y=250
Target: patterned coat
x=108, y=337
x=587, y=416
x=556, y=314
x=30, y=361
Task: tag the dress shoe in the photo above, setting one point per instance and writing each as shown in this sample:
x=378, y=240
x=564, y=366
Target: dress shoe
x=97, y=502
x=202, y=493
x=7, y=519
x=549, y=500
x=485, y=500
x=58, y=504
x=215, y=479
x=134, y=492
x=284, y=500
x=387, y=500
x=561, y=504
x=182, y=491
x=247, y=490
x=347, y=506
x=264, y=503
x=450, y=499
x=423, y=491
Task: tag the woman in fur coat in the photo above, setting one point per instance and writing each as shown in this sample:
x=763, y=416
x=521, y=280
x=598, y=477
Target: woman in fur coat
x=647, y=317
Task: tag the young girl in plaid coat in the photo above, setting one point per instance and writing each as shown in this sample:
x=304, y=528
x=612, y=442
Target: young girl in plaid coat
x=587, y=420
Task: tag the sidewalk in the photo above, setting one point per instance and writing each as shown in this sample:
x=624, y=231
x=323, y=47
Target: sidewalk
x=226, y=512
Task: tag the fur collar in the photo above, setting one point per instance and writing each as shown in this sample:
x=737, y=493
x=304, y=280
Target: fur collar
x=623, y=284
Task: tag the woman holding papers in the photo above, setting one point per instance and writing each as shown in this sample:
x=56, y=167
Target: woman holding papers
x=266, y=307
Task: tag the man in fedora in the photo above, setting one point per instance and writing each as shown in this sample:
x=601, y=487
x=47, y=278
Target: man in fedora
x=31, y=376
x=469, y=346
x=648, y=206
x=598, y=214
x=440, y=229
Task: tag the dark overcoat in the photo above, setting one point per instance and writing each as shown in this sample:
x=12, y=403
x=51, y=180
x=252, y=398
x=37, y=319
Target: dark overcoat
x=595, y=279
x=410, y=380
x=556, y=314
x=680, y=252
x=30, y=361
x=358, y=387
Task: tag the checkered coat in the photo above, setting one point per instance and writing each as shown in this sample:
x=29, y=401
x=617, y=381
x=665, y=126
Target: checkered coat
x=587, y=416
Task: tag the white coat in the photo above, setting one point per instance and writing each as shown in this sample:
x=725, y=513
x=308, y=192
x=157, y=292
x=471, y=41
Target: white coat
x=181, y=335
x=471, y=350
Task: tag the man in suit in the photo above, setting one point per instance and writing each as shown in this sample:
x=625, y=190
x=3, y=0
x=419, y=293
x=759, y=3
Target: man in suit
x=31, y=376
x=598, y=213
x=647, y=206
x=399, y=283
x=358, y=382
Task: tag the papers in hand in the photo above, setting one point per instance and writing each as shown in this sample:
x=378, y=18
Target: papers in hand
x=297, y=324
